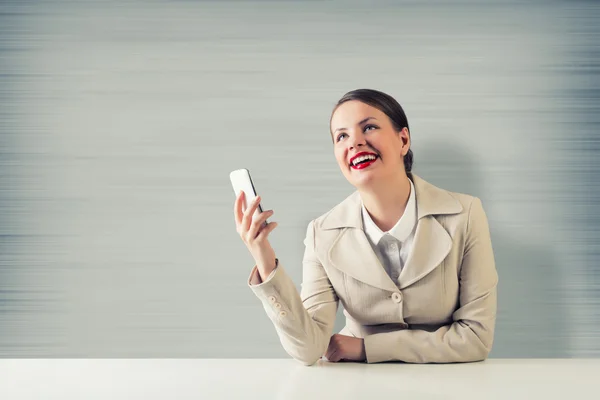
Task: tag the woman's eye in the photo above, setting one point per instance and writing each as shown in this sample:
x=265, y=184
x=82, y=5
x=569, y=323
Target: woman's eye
x=366, y=128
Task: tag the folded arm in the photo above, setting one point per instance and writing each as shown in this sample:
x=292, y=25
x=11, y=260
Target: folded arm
x=470, y=336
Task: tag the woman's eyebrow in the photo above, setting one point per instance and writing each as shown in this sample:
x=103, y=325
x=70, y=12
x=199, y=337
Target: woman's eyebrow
x=359, y=123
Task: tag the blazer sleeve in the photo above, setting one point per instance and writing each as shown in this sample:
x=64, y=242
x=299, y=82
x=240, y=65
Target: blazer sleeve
x=304, y=321
x=470, y=336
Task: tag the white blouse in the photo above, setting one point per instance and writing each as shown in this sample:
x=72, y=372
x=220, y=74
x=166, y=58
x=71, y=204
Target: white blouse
x=392, y=247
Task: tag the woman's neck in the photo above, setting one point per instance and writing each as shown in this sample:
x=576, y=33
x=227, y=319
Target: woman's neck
x=387, y=201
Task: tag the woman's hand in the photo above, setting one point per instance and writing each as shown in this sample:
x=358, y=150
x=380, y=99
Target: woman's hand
x=345, y=348
x=254, y=233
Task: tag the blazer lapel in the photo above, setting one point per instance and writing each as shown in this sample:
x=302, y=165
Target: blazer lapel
x=351, y=251
x=430, y=246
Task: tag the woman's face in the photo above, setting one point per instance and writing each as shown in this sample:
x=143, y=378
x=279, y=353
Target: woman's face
x=356, y=128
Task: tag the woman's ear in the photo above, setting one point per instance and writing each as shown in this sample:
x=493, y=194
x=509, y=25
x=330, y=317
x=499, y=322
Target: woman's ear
x=404, y=153
x=405, y=137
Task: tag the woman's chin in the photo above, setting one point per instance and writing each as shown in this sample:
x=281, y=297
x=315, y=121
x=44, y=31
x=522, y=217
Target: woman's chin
x=362, y=178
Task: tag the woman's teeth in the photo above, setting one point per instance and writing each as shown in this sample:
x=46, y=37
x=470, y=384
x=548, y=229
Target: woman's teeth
x=362, y=159
x=363, y=163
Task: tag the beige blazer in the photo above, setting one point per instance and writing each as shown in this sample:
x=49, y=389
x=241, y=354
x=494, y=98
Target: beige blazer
x=442, y=310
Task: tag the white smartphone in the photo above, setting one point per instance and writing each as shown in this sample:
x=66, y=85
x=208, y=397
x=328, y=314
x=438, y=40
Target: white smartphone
x=241, y=181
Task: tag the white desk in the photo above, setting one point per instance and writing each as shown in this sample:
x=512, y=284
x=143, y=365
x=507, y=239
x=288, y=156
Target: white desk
x=208, y=379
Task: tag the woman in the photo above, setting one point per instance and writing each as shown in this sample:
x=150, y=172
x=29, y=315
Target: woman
x=411, y=263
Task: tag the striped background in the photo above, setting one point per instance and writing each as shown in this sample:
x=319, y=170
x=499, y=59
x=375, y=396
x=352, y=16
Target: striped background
x=121, y=120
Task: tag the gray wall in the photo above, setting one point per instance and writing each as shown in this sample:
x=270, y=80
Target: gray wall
x=120, y=122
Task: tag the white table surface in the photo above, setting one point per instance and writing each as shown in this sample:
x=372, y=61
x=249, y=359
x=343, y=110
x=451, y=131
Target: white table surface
x=287, y=379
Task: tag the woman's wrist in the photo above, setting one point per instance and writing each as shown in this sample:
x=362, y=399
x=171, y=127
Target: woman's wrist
x=265, y=270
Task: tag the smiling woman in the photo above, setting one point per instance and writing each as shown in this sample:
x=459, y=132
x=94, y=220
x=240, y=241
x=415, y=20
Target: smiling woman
x=411, y=263
x=383, y=104
x=371, y=139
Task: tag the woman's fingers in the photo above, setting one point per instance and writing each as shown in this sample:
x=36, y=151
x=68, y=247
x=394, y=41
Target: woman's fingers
x=249, y=228
x=330, y=350
x=247, y=219
x=262, y=235
x=333, y=352
x=258, y=224
x=333, y=355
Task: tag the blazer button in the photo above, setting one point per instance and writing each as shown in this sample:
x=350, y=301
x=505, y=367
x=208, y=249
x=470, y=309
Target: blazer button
x=282, y=313
x=272, y=299
x=277, y=305
x=397, y=297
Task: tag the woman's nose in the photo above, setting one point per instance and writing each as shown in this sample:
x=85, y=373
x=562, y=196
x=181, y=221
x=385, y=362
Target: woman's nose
x=356, y=141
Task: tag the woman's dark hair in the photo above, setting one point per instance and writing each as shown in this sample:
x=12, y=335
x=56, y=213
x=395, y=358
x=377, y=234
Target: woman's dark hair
x=387, y=105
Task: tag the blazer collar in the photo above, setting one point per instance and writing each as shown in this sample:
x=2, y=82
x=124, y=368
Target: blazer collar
x=431, y=200
x=351, y=252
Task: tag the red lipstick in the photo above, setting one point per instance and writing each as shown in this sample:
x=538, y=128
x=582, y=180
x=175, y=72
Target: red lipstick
x=365, y=164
